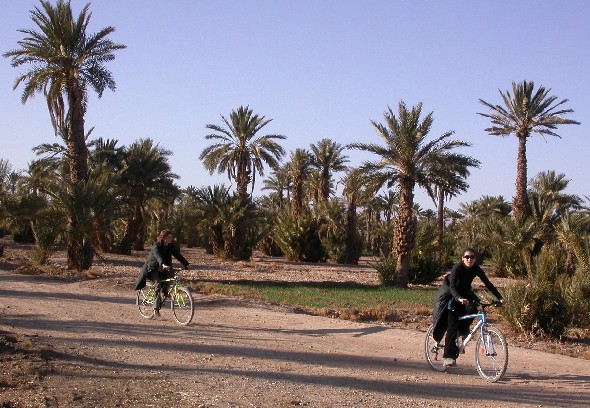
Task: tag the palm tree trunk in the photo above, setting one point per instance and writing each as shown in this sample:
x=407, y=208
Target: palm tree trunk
x=243, y=179
x=404, y=234
x=520, y=204
x=134, y=223
x=79, y=248
x=440, y=223
x=75, y=137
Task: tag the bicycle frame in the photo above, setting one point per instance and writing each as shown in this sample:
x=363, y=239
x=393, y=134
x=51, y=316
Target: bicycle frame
x=479, y=326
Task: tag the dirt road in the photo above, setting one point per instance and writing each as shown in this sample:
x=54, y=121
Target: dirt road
x=83, y=344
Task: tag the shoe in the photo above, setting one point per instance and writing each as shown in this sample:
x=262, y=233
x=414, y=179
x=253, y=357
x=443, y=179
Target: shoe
x=449, y=362
x=156, y=312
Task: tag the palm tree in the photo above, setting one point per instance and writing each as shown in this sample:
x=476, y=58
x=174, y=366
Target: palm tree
x=279, y=184
x=64, y=61
x=211, y=201
x=327, y=158
x=549, y=204
x=299, y=170
x=524, y=114
x=447, y=182
x=147, y=175
x=406, y=159
x=239, y=151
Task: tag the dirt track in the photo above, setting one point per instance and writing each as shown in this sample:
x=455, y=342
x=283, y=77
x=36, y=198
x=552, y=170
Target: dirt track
x=91, y=348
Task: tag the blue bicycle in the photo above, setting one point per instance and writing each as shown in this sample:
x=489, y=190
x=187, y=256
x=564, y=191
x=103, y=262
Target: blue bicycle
x=491, y=349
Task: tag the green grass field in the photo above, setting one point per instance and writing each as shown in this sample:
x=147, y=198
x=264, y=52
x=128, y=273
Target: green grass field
x=364, y=302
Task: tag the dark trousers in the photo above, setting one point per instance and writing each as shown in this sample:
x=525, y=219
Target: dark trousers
x=156, y=276
x=455, y=327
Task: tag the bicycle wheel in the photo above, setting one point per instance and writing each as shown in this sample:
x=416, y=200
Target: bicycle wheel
x=182, y=305
x=145, y=301
x=433, y=351
x=492, y=365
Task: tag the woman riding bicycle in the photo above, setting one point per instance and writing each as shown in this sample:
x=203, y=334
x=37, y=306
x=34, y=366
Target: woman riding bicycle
x=158, y=265
x=456, y=298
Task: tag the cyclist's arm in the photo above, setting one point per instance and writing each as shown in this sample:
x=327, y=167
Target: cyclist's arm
x=489, y=285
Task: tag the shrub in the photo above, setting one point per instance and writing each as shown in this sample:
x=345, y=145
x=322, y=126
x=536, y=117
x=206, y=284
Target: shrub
x=386, y=270
x=340, y=240
x=298, y=238
x=45, y=232
x=539, y=305
x=537, y=308
x=425, y=266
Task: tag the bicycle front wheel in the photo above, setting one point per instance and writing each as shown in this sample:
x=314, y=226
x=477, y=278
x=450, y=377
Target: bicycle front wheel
x=182, y=305
x=145, y=301
x=491, y=354
x=433, y=351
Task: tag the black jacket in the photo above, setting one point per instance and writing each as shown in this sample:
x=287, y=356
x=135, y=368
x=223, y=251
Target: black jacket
x=159, y=255
x=456, y=285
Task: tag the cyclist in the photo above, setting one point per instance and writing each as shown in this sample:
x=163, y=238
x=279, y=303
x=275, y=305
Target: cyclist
x=158, y=265
x=456, y=298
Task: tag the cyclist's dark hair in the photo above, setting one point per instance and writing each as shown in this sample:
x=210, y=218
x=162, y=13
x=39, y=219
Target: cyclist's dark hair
x=468, y=249
x=163, y=234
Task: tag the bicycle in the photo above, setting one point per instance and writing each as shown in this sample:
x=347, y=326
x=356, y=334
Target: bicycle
x=181, y=300
x=491, y=349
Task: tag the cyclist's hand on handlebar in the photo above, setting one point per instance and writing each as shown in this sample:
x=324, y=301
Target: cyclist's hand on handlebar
x=464, y=301
x=166, y=267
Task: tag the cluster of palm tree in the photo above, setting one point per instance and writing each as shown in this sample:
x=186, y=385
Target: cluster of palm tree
x=124, y=189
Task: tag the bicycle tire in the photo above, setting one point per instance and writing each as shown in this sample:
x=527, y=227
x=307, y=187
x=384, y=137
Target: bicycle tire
x=433, y=351
x=491, y=367
x=182, y=305
x=145, y=301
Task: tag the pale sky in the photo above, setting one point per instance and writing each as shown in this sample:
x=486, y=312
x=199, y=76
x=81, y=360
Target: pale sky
x=323, y=69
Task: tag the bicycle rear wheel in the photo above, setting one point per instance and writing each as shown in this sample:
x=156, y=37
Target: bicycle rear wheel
x=433, y=351
x=145, y=301
x=182, y=305
x=491, y=366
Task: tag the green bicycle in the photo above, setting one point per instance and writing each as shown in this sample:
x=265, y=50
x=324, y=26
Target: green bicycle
x=181, y=300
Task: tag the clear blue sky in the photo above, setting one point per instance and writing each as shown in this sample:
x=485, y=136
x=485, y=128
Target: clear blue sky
x=323, y=69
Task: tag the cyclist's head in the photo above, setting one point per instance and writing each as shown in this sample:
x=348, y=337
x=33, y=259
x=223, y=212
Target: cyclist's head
x=469, y=257
x=163, y=235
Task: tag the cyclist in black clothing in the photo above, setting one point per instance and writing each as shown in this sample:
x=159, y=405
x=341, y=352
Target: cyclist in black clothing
x=456, y=298
x=158, y=265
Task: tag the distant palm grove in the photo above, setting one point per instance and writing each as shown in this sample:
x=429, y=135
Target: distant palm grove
x=94, y=195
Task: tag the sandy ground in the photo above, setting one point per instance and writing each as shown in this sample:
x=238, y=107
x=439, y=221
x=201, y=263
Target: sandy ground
x=84, y=344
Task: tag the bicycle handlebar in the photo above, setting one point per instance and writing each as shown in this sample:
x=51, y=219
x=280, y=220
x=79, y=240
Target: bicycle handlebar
x=495, y=303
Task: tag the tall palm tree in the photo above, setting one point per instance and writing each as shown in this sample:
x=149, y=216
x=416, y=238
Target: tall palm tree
x=239, y=150
x=327, y=158
x=147, y=175
x=406, y=160
x=65, y=60
x=524, y=114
